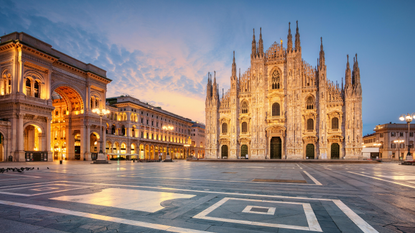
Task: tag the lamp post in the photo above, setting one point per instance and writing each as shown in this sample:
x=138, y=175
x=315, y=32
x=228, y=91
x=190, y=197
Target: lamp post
x=399, y=146
x=408, y=118
x=168, y=128
x=101, y=158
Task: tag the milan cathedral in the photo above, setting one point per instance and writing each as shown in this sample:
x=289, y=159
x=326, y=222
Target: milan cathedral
x=283, y=108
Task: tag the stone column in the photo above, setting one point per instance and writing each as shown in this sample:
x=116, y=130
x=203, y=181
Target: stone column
x=87, y=140
x=48, y=138
x=83, y=142
x=20, y=154
x=70, y=142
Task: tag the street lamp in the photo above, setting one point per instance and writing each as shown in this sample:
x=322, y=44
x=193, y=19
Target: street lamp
x=168, y=128
x=408, y=118
x=101, y=158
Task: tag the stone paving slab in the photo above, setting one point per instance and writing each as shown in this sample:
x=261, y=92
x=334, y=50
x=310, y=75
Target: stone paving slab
x=373, y=197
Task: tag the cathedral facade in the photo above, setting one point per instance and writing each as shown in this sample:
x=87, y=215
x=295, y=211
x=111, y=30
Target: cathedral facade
x=283, y=108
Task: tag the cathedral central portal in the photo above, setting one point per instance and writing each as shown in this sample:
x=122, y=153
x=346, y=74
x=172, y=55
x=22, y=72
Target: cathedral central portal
x=275, y=148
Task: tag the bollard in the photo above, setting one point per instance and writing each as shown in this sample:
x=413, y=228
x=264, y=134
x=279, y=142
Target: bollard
x=60, y=161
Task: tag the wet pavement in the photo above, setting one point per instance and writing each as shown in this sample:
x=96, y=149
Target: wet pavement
x=210, y=197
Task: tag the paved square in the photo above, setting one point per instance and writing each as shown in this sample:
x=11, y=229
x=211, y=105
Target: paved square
x=208, y=197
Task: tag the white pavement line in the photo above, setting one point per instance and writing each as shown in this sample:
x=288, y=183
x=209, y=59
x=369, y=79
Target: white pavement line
x=299, y=166
x=312, y=222
x=226, y=181
x=2, y=187
x=27, y=176
x=101, y=217
x=362, y=224
x=312, y=178
x=203, y=191
x=377, y=178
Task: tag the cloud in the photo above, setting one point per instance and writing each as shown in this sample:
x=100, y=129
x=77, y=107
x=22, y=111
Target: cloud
x=171, y=75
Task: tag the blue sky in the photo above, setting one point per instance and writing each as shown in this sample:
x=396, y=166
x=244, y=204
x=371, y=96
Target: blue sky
x=161, y=51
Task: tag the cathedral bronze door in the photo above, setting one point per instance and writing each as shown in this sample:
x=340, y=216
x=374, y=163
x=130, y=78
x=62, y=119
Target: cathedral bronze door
x=224, y=151
x=310, y=151
x=335, y=151
x=244, y=151
x=275, y=148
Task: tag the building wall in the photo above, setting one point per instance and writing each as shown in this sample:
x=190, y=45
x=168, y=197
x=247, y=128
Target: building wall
x=197, y=147
x=303, y=93
x=386, y=134
x=135, y=130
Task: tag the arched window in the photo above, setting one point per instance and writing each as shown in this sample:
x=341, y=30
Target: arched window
x=133, y=131
x=310, y=124
x=123, y=131
x=92, y=103
x=335, y=123
x=113, y=129
x=275, y=79
x=275, y=109
x=244, y=127
x=36, y=89
x=224, y=128
x=244, y=107
x=28, y=87
x=310, y=103
x=97, y=103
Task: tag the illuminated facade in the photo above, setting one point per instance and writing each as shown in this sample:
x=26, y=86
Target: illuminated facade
x=135, y=130
x=46, y=98
x=283, y=108
x=197, y=147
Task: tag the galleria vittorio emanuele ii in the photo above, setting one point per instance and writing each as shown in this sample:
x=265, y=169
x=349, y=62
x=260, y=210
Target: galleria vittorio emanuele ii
x=47, y=100
x=283, y=108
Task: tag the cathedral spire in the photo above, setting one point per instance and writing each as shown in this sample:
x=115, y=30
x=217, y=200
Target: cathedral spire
x=233, y=67
x=253, y=54
x=348, y=74
x=289, y=39
x=297, y=39
x=261, y=44
x=356, y=71
x=322, y=58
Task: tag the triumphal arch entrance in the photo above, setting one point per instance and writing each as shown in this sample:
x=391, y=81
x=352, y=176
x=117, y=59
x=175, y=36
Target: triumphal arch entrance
x=46, y=99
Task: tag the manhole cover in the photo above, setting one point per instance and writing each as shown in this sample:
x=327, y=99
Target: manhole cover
x=279, y=181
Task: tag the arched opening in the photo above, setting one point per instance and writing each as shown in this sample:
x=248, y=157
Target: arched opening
x=141, y=151
x=335, y=151
x=133, y=131
x=94, y=146
x=310, y=124
x=275, y=109
x=2, y=157
x=67, y=101
x=151, y=152
x=33, y=144
x=310, y=103
x=335, y=123
x=113, y=129
x=275, y=80
x=244, y=151
x=28, y=87
x=276, y=149
x=147, y=152
x=123, y=149
x=108, y=147
x=244, y=127
x=310, y=151
x=224, y=128
x=157, y=152
x=224, y=151
x=244, y=107
x=123, y=130
x=77, y=145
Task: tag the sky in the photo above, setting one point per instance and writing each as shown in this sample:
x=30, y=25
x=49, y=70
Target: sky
x=161, y=51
